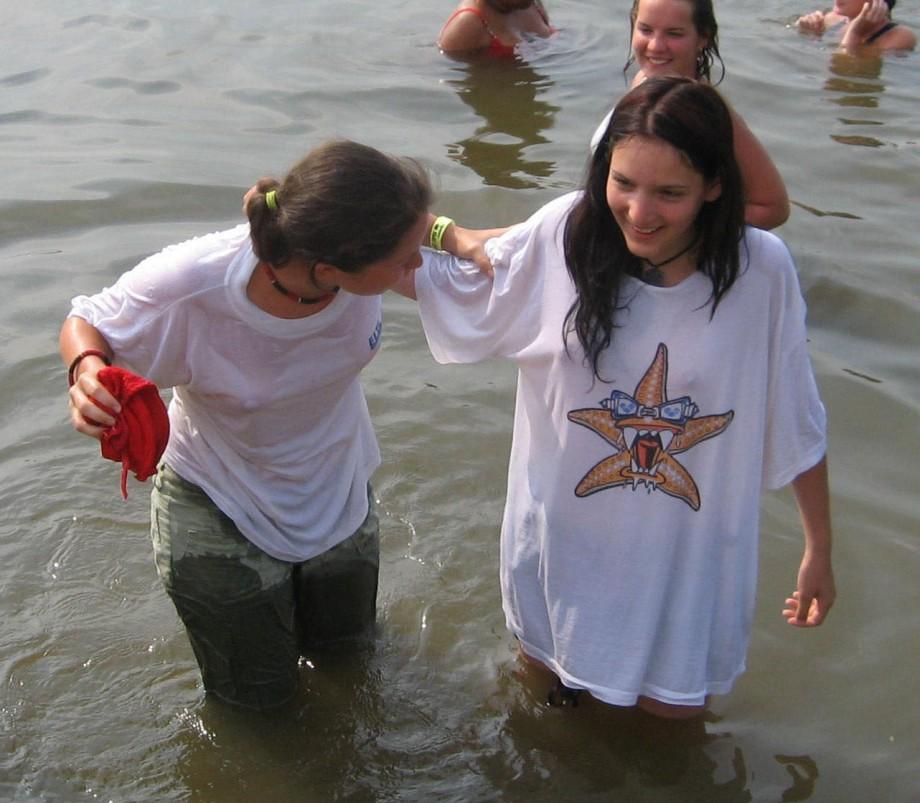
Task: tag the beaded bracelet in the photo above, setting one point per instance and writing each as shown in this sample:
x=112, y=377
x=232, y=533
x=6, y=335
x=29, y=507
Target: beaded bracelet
x=438, y=228
x=71, y=378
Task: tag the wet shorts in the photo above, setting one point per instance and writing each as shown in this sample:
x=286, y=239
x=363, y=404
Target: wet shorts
x=250, y=616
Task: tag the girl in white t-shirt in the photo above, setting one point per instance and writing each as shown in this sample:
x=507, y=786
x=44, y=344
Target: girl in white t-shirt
x=664, y=380
x=262, y=521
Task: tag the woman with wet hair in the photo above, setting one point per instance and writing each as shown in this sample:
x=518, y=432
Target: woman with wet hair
x=681, y=37
x=262, y=515
x=663, y=381
x=692, y=46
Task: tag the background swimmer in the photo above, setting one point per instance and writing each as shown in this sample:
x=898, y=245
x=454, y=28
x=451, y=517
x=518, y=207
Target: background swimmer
x=681, y=38
x=493, y=26
x=865, y=23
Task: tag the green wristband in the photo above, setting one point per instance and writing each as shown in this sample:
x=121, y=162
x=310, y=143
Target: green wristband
x=437, y=231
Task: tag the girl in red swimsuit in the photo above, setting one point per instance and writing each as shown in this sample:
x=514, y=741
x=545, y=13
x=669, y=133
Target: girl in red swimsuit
x=493, y=26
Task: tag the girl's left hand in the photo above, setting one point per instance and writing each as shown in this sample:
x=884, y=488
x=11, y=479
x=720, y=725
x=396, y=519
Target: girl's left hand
x=810, y=602
x=870, y=16
x=248, y=197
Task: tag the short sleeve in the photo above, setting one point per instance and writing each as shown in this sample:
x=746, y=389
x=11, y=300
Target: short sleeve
x=143, y=316
x=468, y=316
x=133, y=324
x=796, y=431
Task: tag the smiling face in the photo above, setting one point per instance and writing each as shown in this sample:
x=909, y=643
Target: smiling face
x=383, y=274
x=655, y=196
x=665, y=40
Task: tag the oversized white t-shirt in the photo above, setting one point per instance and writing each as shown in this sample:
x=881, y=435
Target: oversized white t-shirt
x=629, y=540
x=268, y=415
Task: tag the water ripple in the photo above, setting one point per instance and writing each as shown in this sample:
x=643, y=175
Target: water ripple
x=141, y=87
x=28, y=77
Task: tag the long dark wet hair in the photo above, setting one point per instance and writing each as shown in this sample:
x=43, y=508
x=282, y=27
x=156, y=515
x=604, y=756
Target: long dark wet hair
x=691, y=117
x=704, y=20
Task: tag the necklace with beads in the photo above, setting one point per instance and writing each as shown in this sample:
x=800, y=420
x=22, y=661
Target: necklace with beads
x=266, y=269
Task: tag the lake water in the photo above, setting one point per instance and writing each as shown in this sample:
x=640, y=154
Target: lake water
x=126, y=126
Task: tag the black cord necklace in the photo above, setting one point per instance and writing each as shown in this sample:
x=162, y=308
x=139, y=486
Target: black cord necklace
x=678, y=255
x=266, y=269
x=653, y=275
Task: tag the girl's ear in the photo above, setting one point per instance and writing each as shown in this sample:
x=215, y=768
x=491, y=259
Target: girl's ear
x=322, y=268
x=713, y=191
x=325, y=275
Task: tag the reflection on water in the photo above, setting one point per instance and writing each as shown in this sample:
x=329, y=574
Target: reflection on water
x=804, y=773
x=231, y=754
x=856, y=83
x=825, y=212
x=610, y=753
x=506, y=96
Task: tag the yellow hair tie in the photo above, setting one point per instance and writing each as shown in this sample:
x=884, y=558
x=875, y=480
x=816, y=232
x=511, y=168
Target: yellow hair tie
x=438, y=228
x=271, y=200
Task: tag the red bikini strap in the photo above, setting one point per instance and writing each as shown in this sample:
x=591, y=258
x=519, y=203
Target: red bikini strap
x=475, y=11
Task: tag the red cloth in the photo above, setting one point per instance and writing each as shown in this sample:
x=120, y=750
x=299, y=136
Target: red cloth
x=139, y=435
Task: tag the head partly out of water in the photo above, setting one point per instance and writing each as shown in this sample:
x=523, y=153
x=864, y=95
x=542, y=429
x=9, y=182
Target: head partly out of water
x=674, y=37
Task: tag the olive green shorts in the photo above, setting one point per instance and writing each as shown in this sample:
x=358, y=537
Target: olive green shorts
x=250, y=616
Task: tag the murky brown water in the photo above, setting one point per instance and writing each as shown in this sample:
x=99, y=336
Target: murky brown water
x=125, y=127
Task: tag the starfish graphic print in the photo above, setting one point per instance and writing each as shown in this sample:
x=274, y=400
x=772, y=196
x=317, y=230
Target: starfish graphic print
x=647, y=429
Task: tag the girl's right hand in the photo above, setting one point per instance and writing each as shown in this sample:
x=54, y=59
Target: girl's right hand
x=813, y=23
x=92, y=407
x=471, y=244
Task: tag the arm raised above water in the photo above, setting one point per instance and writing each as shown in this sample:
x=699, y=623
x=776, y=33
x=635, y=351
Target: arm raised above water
x=864, y=29
x=766, y=203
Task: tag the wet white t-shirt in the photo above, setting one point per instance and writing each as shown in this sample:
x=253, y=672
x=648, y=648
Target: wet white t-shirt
x=629, y=540
x=268, y=415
